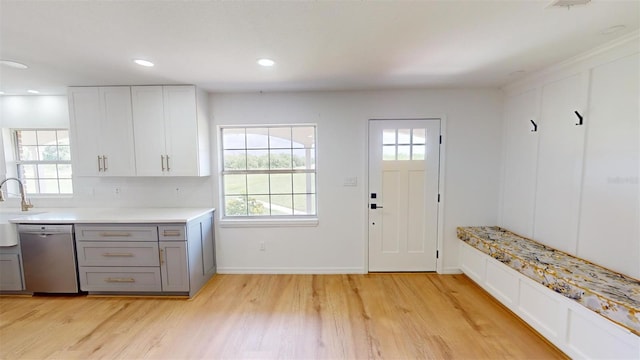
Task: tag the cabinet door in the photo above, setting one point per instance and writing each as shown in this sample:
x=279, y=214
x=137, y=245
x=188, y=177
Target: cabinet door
x=10, y=274
x=85, y=113
x=116, y=132
x=181, y=130
x=521, y=153
x=610, y=208
x=560, y=162
x=149, y=130
x=174, y=267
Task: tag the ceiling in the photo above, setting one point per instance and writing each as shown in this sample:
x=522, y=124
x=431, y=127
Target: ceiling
x=318, y=45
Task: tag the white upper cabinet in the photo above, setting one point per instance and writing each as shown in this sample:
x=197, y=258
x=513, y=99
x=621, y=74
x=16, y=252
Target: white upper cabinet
x=610, y=209
x=521, y=154
x=102, y=131
x=560, y=158
x=171, y=136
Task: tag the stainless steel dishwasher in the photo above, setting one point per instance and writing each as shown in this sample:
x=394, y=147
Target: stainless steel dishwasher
x=49, y=258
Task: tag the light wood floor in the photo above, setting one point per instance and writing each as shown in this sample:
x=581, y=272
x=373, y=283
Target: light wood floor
x=389, y=316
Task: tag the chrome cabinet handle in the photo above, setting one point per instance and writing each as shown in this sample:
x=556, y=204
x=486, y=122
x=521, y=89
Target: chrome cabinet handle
x=104, y=162
x=117, y=254
x=168, y=168
x=162, y=161
x=120, y=280
x=99, y=163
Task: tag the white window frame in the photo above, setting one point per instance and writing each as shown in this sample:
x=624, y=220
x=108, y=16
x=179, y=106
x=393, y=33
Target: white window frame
x=18, y=162
x=271, y=219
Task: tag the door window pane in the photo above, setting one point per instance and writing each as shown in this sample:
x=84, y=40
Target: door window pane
x=404, y=136
x=419, y=136
x=389, y=137
x=404, y=152
x=417, y=152
x=388, y=152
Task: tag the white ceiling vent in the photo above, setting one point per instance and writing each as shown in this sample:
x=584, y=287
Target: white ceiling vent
x=568, y=3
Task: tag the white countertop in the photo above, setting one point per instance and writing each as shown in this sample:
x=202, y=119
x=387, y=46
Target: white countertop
x=107, y=215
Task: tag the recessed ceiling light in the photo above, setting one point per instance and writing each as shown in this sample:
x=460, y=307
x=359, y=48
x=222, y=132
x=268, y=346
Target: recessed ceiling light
x=143, y=62
x=613, y=29
x=14, y=64
x=266, y=62
x=33, y=91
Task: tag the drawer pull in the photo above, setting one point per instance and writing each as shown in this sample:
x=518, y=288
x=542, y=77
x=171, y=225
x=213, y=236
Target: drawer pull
x=115, y=234
x=117, y=254
x=161, y=257
x=171, y=233
x=120, y=280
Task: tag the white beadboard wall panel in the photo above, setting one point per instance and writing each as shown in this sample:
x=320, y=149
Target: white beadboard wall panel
x=520, y=158
x=609, y=230
x=607, y=210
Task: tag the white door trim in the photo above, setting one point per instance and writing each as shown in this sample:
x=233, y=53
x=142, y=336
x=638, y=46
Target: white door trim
x=441, y=190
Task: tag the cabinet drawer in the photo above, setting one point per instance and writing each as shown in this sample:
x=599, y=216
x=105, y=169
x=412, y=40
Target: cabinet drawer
x=116, y=233
x=171, y=232
x=117, y=253
x=120, y=279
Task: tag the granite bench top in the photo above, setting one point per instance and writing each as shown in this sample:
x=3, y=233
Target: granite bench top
x=613, y=295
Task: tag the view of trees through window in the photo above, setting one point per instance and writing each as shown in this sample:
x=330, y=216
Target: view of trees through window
x=269, y=171
x=43, y=160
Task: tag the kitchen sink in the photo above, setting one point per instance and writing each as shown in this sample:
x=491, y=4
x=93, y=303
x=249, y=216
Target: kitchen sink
x=8, y=231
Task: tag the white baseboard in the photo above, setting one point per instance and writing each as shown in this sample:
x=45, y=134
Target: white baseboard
x=451, y=271
x=289, y=270
x=294, y=270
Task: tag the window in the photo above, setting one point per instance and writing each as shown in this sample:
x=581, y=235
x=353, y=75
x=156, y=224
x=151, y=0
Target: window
x=43, y=160
x=269, y=171
x=403, y=144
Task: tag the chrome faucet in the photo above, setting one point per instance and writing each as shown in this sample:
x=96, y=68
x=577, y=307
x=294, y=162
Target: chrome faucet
x=24, y=203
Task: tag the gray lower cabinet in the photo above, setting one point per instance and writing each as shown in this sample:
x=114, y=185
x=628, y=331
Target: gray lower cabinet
x=142, y=258
x=174, y=266
x=10, y=273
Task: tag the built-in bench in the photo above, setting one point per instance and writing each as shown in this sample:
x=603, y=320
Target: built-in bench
x=551, y=290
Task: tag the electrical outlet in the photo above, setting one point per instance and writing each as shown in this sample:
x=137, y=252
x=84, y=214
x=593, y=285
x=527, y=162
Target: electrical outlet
x=117, y=191
x=262, y=246
x=177, y=191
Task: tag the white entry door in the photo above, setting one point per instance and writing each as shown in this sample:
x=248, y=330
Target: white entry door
x=404, y=158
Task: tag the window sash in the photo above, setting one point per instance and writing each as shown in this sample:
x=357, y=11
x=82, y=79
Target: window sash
x=37, y=180
x=270, y=199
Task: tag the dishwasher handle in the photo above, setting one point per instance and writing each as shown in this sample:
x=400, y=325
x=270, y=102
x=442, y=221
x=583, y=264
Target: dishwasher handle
x=38, y=229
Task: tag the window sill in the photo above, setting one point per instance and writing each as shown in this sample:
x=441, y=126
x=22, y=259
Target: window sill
x=253, y=222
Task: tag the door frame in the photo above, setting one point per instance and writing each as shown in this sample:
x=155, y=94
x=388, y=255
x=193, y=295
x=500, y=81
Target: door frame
x=441, y=188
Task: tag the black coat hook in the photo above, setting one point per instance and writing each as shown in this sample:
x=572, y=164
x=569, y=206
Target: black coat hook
x=535, y=126
x=579, y=118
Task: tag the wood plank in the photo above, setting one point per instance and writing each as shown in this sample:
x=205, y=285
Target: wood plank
x=403, y=316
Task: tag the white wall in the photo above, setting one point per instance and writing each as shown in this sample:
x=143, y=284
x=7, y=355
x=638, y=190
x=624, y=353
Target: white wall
x=339, y=242
x=33, y=111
